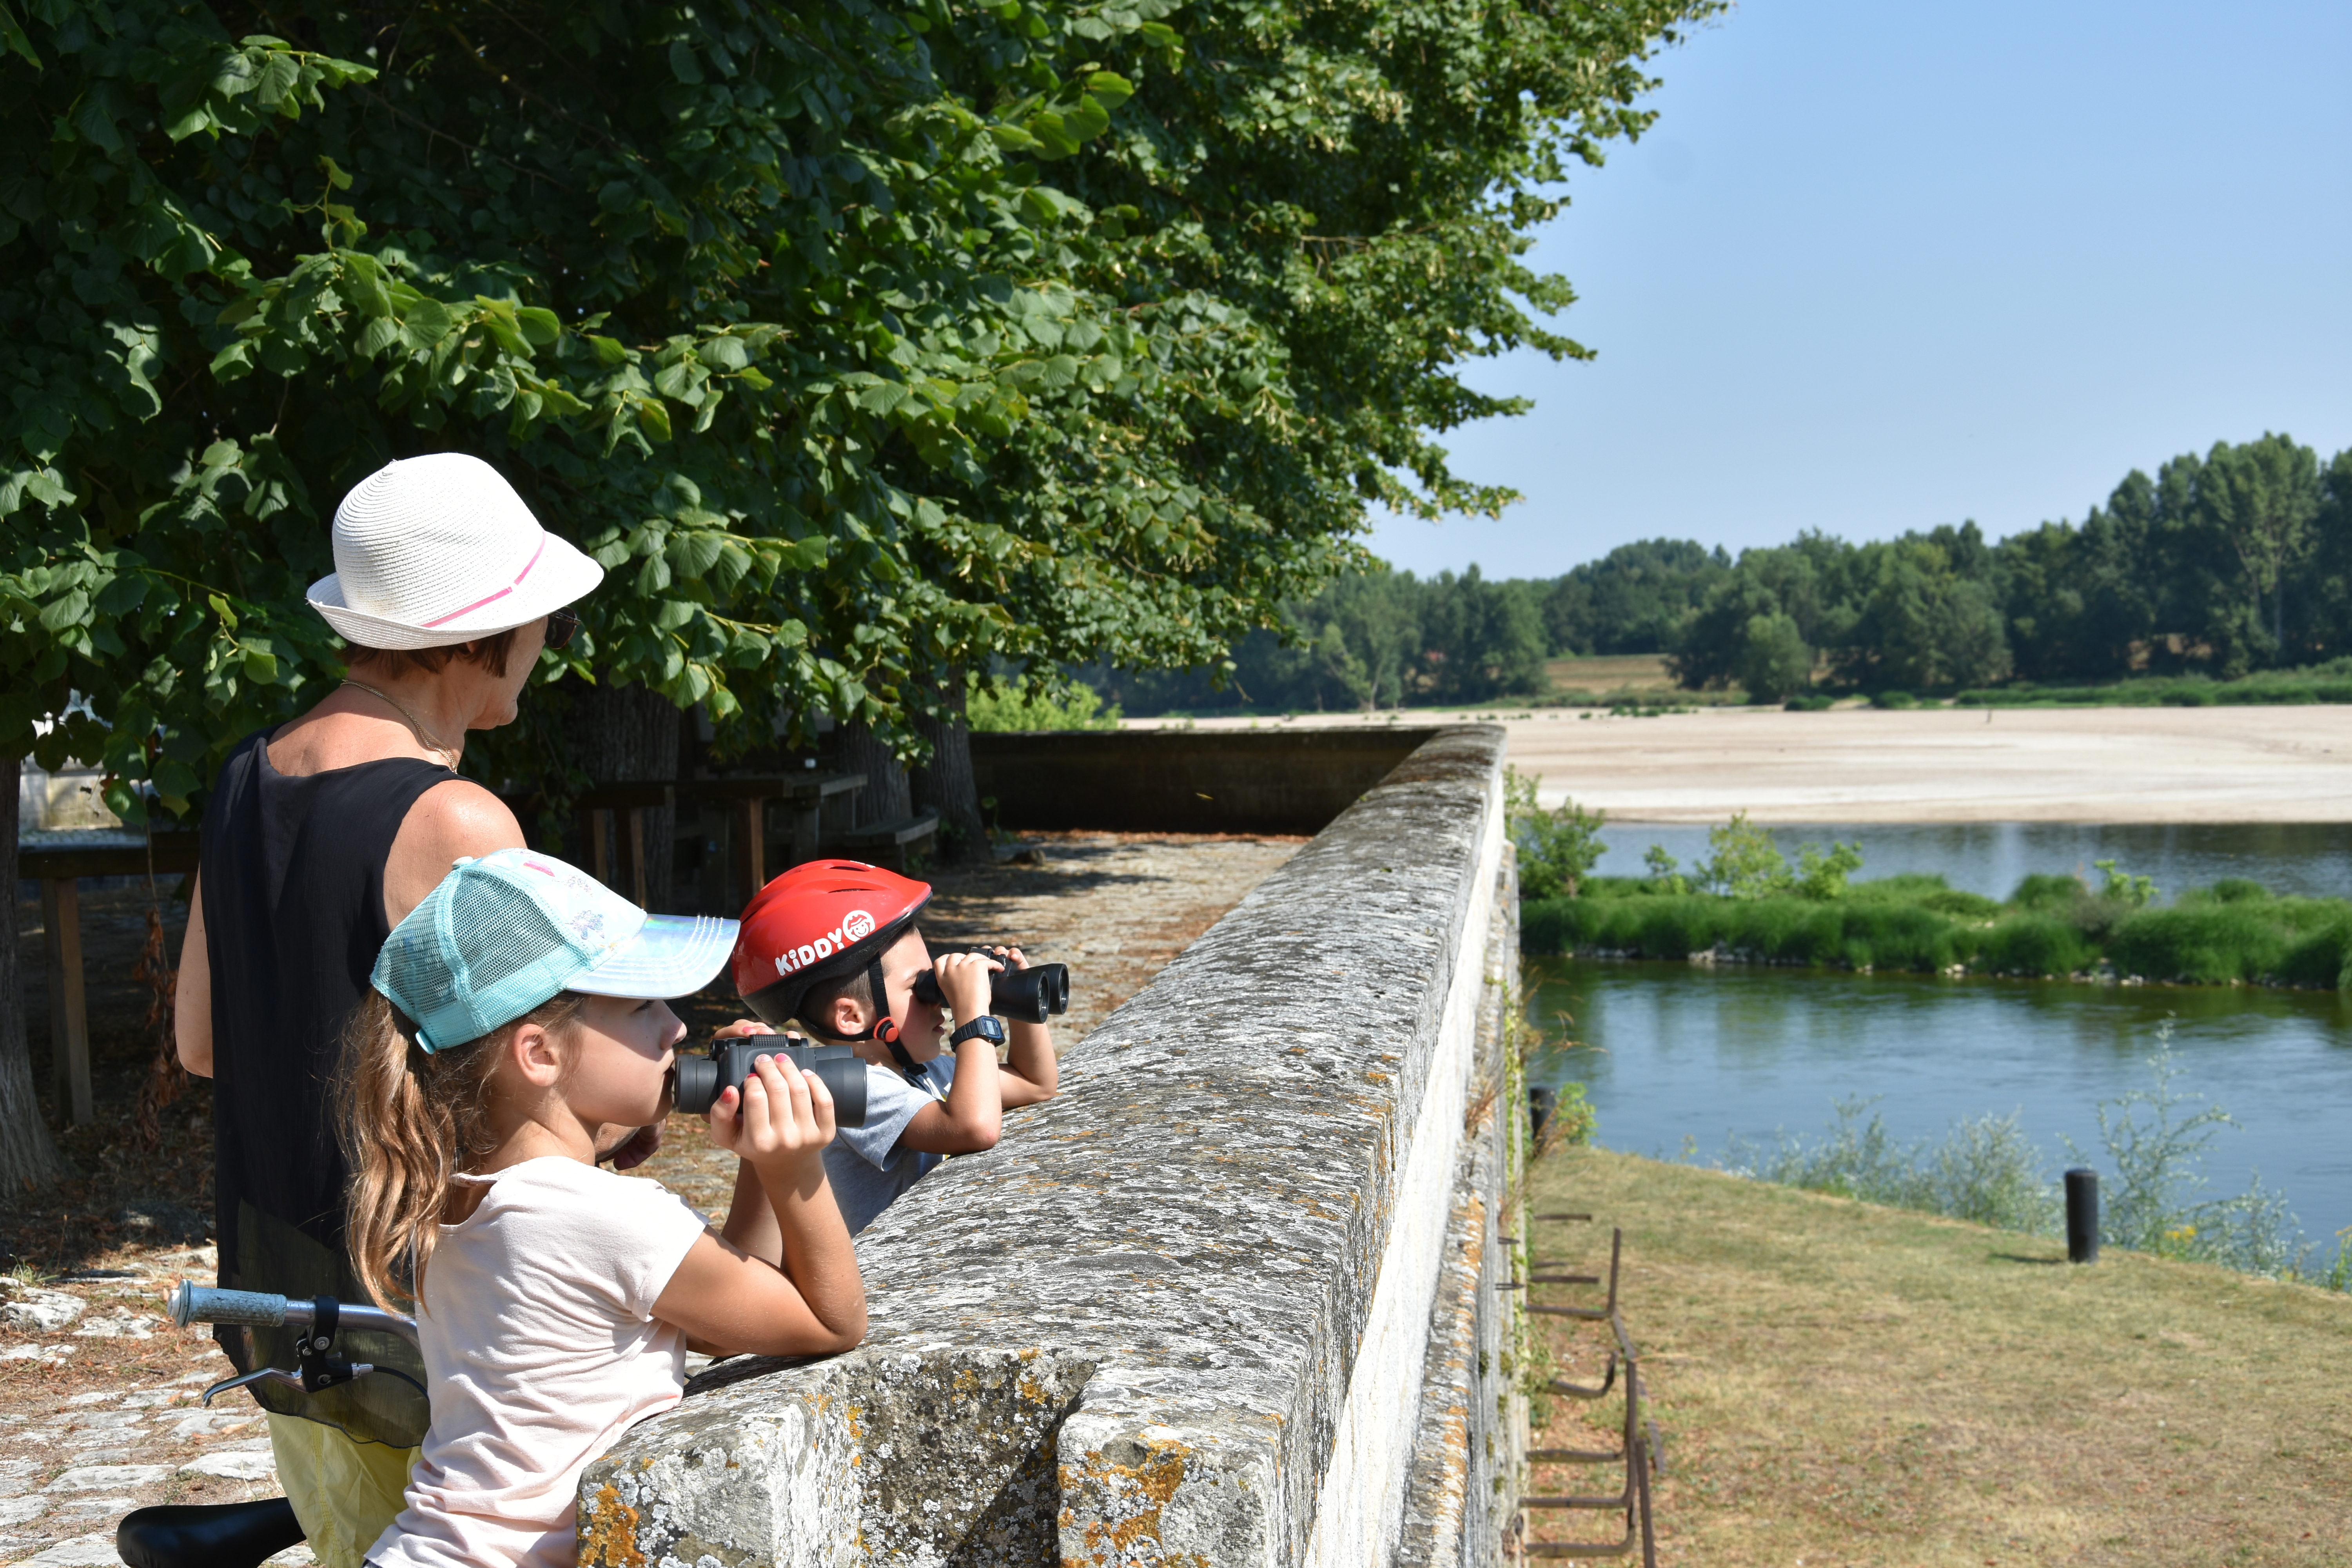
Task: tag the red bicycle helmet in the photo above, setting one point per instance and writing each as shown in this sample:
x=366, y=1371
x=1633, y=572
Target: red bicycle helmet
x=819, y=922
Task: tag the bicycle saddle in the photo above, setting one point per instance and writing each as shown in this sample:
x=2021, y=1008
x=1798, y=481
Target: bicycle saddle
x=221, y=1535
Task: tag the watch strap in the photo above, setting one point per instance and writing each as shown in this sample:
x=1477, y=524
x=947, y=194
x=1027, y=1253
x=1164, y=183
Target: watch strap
x=986, y=1028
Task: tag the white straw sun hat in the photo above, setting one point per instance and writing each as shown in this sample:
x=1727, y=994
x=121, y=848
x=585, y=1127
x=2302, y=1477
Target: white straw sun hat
x=437, y=549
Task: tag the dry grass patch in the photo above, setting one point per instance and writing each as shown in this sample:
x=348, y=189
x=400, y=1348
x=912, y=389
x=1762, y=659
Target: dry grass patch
x=1611, y=673
x=1839, y=1384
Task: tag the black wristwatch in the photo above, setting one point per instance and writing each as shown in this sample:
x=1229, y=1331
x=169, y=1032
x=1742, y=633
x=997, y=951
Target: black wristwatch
x=991, y=1029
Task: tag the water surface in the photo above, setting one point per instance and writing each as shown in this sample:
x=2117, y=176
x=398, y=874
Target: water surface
x=1672, y=1052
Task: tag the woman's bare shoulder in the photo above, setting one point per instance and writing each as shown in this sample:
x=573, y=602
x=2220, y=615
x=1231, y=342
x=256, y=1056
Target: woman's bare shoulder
x=451, y=821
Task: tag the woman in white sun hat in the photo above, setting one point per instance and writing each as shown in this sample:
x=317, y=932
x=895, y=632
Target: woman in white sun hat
x=320, y=836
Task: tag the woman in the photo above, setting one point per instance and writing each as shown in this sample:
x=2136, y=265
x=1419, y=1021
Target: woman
x=320, y=836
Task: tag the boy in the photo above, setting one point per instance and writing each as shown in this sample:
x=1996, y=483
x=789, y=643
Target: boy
x=833, y=945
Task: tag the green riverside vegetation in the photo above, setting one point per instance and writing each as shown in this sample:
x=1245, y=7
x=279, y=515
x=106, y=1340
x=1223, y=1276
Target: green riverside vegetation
x=1747, y=903
x=2328, y=683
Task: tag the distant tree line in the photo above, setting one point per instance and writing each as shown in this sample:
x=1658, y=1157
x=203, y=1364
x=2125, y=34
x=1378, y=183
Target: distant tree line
x=2222, y=564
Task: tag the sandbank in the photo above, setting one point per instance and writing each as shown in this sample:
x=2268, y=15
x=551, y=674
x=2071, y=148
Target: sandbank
x=1860, y=764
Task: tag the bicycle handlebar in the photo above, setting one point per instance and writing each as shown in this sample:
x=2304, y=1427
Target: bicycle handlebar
x=206, y=1304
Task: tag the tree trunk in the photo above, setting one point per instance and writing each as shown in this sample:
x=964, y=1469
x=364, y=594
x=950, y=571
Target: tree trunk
x=29, y=1155
x=627, y=733
x=858, y=750
x=945, y=783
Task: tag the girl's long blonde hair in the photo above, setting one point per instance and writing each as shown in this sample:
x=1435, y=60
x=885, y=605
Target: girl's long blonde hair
x=409, y=1121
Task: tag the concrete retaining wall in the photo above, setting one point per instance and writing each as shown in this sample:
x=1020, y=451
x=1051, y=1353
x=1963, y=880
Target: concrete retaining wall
x=1227, y=1300
x=1185, y=780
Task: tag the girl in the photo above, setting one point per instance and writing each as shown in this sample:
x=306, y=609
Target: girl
x=515, y=1037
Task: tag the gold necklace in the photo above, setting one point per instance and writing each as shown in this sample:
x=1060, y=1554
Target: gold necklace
x=448, y=754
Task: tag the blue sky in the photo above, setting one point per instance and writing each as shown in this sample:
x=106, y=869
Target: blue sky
x=1883, y=264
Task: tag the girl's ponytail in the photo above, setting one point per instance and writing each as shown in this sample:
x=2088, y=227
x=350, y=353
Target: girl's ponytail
x=409, y=1121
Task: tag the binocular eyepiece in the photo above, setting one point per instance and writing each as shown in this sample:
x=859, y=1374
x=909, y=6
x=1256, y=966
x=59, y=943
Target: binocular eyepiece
x=698, y=1080
x=1028, y=995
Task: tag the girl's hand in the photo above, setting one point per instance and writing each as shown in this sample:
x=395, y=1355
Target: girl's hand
x=780, y=1120
x=742, y=1028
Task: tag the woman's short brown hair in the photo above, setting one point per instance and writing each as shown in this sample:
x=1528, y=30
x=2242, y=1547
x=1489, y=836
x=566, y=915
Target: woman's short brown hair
x=490, y=652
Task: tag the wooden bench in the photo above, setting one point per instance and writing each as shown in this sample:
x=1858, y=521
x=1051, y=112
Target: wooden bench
x=890, y=842
x=745, y=800
x=57, y=864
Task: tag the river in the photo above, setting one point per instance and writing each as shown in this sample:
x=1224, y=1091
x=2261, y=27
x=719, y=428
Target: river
x=1989, y=858
x=1672, y=1052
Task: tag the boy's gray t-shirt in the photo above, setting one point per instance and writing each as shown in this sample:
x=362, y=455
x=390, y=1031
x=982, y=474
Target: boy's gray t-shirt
x=864, y=1164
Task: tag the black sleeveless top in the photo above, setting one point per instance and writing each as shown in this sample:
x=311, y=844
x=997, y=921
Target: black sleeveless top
x=292, y=882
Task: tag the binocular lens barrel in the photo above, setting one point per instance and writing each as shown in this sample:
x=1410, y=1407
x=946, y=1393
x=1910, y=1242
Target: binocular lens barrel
x=699, y=1080
x=694, y=1085
x=1028, y=995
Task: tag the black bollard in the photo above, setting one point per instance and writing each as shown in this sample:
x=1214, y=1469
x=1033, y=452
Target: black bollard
x=2082, y=1216
x=1541, y=1100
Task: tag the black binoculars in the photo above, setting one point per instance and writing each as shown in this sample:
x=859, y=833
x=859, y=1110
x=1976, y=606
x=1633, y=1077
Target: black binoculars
x=698, y=1080
x=1028, y=995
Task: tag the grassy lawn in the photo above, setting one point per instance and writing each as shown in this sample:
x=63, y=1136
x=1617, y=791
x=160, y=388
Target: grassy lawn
x=1839, y=1384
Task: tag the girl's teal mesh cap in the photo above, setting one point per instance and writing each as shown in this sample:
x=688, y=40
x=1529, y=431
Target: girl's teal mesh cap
x=506, y=933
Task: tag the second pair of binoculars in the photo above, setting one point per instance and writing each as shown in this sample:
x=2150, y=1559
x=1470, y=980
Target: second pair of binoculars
x=1029, y=994
x=699, y=1078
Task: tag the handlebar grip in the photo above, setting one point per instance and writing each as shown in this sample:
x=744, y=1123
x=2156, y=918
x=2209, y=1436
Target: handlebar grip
x=209, y=1304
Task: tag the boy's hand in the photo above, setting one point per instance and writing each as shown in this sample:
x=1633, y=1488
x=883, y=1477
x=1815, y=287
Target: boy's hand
x=780, y=1120
x=963, y=984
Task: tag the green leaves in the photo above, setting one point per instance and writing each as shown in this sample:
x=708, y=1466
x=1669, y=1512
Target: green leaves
x=222, y=88
x=423, y=321
x=1058, y=126
x=776, y=309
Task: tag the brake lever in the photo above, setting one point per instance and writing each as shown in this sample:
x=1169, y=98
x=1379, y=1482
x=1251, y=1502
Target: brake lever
x=266, y=1374
x=318, y=1374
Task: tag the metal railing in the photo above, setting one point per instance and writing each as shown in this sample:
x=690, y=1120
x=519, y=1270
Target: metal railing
x=1638, y=1450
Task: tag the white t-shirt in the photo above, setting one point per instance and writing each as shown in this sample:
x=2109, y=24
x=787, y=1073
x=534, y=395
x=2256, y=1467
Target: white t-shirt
x=540, y=1351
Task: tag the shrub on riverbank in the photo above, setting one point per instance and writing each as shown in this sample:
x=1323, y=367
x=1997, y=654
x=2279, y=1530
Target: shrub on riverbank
x=1858, y=933
x=2211, y=946
x=1988, y=1171
x=2330, y=682
x=2035, y=944
x=2234, y=933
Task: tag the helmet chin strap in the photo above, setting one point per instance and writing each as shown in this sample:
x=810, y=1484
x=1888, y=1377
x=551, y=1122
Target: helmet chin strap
x=885, y=1028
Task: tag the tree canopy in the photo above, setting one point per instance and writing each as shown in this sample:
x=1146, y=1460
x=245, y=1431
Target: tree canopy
x=2222, y=563
x=859, y=343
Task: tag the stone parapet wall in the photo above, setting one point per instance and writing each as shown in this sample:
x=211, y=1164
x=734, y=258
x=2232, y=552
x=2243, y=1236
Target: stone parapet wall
x=1185, y=780
x=1228, y=1299
x=1463, y=1495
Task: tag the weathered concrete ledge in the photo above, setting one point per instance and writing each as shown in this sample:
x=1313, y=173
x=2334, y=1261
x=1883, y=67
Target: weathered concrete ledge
x=1191, y=1310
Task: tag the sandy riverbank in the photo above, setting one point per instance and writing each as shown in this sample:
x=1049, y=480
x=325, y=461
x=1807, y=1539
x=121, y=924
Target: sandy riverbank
x=2071, y=765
